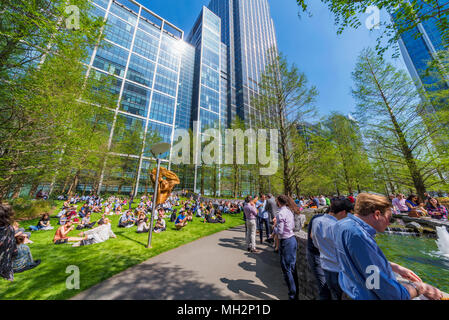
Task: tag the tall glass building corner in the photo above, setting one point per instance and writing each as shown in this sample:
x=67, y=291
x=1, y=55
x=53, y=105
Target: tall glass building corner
x=164, y=82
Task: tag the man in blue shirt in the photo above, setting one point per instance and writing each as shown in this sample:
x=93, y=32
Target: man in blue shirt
x=181, y=220
x=313, y=259
x=262, y=215
x=366, y=274
x=323, y=238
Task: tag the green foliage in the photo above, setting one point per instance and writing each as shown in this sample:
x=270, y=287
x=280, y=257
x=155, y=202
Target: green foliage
x=408, y=14
x=25, y=208
x=53, y=118
x=392, y=115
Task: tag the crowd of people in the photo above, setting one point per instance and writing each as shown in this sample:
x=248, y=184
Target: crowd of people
x=429, y=207
x=341, y=250
x=347, y=262
x=76, y=214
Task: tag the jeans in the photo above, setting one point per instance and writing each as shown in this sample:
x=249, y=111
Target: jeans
x=251, y=234
x=314, y=263
x=263, y=221
x=287, y=253
x=332, y=283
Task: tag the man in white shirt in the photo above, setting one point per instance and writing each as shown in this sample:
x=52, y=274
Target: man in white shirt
x=97, y=235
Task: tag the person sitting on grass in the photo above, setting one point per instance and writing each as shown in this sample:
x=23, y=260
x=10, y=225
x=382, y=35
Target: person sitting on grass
x=160, y=225
x=181, y=221
x=62, y=232
x=162, y=213
x=43, y=224
x=21, y=231
x=24, y=260
x=173, y=215
x=189, y=215
x=97, y=235
x=220, y=218
x=126, y=220
x=142, y=223
x=84, y=210
x=85, y=223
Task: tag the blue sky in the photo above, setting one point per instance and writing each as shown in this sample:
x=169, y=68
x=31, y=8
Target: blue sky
x=311, y=43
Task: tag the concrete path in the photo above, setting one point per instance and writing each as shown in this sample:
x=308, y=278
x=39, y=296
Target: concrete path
x=216, y=267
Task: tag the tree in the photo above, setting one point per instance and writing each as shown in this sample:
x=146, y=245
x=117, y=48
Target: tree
x=390, y=111
x=407, y=15
x=42, y=85
x=284, y=91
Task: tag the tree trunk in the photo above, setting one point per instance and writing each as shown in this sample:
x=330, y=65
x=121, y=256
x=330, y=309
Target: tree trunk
x=410, y=160
x=33, y=190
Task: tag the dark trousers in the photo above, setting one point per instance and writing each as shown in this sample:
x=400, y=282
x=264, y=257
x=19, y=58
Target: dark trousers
x=287, y=253
x=315, y=265
x=263, y=221
x=332, y=283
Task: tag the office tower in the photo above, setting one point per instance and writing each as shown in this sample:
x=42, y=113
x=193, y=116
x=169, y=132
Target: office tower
x=164, y=83
x=418, y=52
x=209, y=89
x=144, y=53
x=248, y=32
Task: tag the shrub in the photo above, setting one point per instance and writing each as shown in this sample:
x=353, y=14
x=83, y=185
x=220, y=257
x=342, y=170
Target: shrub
x=25, y=208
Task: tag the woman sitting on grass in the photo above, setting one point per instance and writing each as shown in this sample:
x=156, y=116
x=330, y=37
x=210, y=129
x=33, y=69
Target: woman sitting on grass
x=160, y=225
x=189, y=215
x=62, y=232
x=43, y=224
x=24, y=260
x=21, y=231
x=142, y=225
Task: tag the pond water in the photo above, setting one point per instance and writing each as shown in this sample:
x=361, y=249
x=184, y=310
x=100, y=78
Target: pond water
x=419, y=254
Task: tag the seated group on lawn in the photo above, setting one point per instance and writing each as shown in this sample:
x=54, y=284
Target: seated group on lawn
x=14, y=239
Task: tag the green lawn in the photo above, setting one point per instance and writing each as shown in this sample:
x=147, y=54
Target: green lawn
x=96, y=262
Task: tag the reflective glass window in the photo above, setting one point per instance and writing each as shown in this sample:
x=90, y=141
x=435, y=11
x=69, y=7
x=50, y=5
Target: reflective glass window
x=140, y=70
x=119, y=31
x=162, y=108
x=146, y=45
x=166, y=81
x=111, y=59
x=135, y=99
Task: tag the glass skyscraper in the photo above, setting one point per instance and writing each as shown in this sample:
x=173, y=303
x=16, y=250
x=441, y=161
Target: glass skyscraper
x=248, y=32
x=419, y=51
x=164, y=82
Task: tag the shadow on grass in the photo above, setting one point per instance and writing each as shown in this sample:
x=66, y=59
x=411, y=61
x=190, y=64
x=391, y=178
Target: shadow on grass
x=154, y=281
x=123, y=235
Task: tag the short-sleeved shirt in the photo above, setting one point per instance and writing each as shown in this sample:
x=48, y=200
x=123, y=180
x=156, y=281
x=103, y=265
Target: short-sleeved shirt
x=323, y=239
x=179, y=218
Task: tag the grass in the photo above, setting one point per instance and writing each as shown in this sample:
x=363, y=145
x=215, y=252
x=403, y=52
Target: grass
x=96, y=262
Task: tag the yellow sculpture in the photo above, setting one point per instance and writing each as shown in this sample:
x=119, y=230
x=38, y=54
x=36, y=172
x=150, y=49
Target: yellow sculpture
x=165, y=186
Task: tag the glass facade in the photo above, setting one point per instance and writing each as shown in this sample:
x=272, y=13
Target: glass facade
x=248, y=32
x=144, y=53
x=418, y=51
x=163, y=82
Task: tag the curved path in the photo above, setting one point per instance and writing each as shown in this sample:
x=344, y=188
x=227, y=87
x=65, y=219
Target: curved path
x=216, y=267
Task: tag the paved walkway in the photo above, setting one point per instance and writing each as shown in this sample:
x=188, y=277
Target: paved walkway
x=216, y=267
